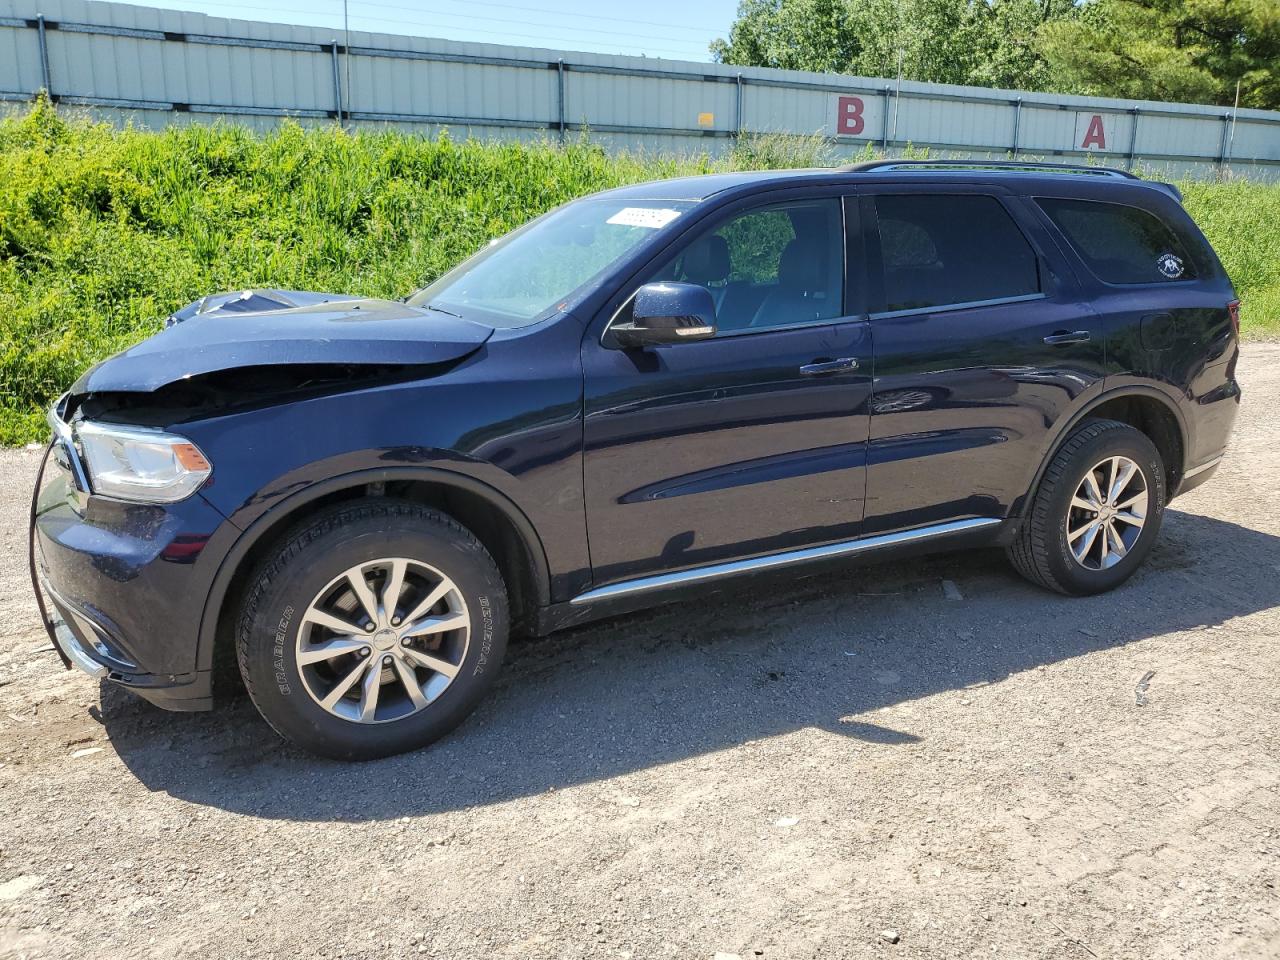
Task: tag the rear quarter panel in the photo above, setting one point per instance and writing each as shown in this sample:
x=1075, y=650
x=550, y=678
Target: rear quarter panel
x=1175, y=337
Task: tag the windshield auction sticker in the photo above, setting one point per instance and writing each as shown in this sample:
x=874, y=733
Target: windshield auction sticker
x=643, y=217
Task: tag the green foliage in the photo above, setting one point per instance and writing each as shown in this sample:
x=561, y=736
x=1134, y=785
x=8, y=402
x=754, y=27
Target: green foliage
x=103, y=233
x=977, y=42
x=1182, y=50
x=1242, y=221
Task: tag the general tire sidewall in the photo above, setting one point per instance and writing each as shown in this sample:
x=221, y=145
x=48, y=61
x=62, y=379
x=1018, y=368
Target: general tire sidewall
x=1119, y=442
x=270, y=660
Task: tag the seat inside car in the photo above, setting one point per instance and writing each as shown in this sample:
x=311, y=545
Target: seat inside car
x=706, y=263
x=800, y=294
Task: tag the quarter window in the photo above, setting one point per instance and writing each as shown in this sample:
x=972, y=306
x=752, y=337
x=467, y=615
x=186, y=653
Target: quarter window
x=1120, y=244
x=940, y=250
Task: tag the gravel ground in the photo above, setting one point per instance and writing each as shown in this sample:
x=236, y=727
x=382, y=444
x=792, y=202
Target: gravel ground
x=931, y=759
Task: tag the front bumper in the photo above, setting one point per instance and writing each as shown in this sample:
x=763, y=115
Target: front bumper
x=121, y=587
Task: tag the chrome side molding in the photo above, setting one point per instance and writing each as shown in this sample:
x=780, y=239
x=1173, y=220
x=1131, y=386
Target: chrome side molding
x=1203, y=467
x=718, y=571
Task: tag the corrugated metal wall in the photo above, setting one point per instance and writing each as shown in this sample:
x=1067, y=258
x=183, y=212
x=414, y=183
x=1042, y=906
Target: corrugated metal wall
x=156, y=67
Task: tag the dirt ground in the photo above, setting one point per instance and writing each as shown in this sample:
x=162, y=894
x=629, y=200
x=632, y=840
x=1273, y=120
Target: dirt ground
x=852, y=765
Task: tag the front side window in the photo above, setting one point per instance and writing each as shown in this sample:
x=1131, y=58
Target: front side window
x=1120, y=244
x=939, y=250
x=529, y=274
x=774, y=266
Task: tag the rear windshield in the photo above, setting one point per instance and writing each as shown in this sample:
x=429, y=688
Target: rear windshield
x=1120, y=244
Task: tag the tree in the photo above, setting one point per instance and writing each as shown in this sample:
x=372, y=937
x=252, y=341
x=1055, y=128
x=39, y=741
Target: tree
x=977, y=42
x=1182, y=50
x=1185, y=50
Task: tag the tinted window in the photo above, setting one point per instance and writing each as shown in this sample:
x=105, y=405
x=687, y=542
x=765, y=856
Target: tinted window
x=1120, y=244
x=940, y=250
x=769, y=267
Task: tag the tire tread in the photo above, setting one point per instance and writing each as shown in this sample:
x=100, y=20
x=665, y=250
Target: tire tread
x=298, y=539
x=1029, y=552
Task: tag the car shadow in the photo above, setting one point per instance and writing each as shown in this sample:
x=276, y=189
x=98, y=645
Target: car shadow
x=756, y=660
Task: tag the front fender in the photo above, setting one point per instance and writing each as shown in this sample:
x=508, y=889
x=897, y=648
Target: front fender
x=238, y=545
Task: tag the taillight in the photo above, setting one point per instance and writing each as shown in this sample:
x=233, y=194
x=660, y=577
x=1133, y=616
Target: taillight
x=1233, y=308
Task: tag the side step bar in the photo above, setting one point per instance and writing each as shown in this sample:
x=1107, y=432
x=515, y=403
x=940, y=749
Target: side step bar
x=718, y=571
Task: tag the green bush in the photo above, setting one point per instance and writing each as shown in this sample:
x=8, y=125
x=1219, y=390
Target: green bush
x=104, y=232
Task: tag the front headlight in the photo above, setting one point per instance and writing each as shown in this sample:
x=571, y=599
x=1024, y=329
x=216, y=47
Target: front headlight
x=135, y=463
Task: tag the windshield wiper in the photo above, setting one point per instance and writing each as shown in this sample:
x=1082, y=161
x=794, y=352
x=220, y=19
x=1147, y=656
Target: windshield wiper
x=449, y=313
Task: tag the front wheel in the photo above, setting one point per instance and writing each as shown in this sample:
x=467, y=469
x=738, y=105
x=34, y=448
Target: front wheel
x=374, y=628
x=1097, y=512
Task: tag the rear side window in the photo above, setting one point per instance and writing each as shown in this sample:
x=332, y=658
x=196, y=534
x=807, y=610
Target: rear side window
x=1120, y=244
x=940, y=250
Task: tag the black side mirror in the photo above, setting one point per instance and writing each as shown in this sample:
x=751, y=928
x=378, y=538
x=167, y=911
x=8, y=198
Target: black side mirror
x=668, y=313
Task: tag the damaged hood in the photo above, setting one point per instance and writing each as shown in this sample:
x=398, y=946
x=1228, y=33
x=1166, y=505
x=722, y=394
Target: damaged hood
x=259, y=328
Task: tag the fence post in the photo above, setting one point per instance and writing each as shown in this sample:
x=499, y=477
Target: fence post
x=1222, y=147
x=1017, y=123
x=560, y=97
x=44, y=57
x=737, y=109
x=1133, y=138
x=337, y=82
x=884, y=119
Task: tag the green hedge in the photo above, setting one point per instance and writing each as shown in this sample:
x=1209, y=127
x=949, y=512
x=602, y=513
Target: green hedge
x=104, y=232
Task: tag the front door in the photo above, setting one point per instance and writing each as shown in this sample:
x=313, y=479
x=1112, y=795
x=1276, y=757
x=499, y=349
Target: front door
x=739, y=445
x=982, y=349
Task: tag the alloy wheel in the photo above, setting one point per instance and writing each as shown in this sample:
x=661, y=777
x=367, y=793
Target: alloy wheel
x=1107, y=513
x=383, y=640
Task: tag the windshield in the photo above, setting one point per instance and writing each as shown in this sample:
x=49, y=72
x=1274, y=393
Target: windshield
x=528, y=274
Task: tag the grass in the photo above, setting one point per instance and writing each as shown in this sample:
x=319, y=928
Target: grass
x=104, y=232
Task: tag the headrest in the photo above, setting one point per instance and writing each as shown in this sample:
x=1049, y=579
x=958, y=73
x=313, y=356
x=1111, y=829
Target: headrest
x=803, y=265
x=706, y=260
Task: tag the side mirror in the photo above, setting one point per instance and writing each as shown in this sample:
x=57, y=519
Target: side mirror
x=668, y=313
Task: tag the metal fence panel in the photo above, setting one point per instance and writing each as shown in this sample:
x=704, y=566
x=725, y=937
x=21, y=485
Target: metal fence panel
x=156, y=67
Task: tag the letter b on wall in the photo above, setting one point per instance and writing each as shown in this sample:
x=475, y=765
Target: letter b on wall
x=850, y=121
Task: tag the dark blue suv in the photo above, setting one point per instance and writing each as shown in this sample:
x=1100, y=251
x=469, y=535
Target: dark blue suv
x=639, y=393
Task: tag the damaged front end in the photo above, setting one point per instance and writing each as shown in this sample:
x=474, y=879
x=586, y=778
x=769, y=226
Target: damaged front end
x=121, y=521
x=279, y=329
x=234, y=351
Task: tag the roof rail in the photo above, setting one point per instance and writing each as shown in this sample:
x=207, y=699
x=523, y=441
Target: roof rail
x=1009, y=166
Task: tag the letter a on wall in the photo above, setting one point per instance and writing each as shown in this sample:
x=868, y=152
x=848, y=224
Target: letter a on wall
x=1091, y=134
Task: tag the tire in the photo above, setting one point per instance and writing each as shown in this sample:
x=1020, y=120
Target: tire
x=293, y=657
x=1043, y=551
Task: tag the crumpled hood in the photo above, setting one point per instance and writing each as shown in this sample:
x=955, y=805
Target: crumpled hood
x=257, y=328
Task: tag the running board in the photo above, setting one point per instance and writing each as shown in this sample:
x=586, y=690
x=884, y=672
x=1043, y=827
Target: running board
x=717, y=571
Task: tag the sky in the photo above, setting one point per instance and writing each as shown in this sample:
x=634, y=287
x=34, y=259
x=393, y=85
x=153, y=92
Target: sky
x=672, y=29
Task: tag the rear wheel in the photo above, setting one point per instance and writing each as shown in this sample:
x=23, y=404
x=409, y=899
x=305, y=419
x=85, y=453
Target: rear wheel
x=1097, y=512
x=373, y=629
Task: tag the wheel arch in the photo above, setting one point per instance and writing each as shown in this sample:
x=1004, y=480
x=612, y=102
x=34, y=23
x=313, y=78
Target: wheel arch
x=497, y=522
x=1142, y=407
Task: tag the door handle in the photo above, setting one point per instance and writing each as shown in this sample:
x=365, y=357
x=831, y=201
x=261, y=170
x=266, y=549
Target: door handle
x=1064, y=336
x=825, y=368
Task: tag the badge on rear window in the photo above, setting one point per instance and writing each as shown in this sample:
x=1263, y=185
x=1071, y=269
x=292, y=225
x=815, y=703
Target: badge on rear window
x=1169, y=266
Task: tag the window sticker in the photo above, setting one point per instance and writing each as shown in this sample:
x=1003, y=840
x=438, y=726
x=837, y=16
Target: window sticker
x=648, y=217
x=1169, y=265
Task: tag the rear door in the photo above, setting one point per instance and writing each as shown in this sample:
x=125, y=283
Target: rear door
x=983, y=346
